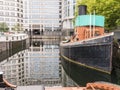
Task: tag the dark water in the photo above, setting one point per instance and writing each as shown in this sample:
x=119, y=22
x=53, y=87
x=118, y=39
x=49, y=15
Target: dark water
x=38, y=65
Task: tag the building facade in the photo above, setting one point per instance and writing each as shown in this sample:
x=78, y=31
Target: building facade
x=42, y=17
x=68, y=11
x=11, y=13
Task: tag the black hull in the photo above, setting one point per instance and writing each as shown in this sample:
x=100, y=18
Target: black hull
x=82, y=75
x=89, y=62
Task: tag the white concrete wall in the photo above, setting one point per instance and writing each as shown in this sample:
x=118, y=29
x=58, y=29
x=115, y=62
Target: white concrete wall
x=13, y=37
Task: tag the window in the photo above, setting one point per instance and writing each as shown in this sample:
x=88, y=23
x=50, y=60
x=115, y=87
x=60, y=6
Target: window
x=12, y=4
x=1, y=7
x=1, y=2
x=1, y=19
x=6, y=3
x=12, y=8
x=1, y=13
x=7, y=13
x=7, y=19
x=6, y=8
x=13, y=20
x=12, y=14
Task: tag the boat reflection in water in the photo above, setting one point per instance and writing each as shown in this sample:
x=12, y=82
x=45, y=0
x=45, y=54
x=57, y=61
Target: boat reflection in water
x=66, y=80
x=37, y=65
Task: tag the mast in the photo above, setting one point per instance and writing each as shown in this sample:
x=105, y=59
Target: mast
x=90, y=25
x=94, y=24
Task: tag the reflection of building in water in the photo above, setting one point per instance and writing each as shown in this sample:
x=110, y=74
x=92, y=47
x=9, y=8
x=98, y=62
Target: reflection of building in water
x=44, y=64
x=38, y=65
x=13, y=69
x=40, y=42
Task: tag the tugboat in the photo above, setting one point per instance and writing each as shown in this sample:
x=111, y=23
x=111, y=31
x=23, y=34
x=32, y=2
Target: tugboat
x=89, y=55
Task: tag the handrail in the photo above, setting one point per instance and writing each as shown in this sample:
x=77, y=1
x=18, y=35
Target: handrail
x=7, y=83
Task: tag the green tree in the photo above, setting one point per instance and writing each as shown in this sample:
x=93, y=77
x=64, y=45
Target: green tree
x=17, y=27
x=4, y=27
x=108, y=8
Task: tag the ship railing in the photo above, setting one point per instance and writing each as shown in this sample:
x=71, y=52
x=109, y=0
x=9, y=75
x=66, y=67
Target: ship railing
x=97, y=37
x=83, y=41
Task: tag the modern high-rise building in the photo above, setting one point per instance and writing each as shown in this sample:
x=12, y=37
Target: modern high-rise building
x=42, y=16
x=68, y=12
x=26, y=15
x=11, y=13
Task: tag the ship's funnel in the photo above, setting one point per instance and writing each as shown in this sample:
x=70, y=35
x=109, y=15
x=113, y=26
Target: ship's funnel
x=82, y=9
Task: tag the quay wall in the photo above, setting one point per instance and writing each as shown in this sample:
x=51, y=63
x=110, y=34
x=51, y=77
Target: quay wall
x=9, y=47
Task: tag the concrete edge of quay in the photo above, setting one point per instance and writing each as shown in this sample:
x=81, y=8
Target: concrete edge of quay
x=36, y=87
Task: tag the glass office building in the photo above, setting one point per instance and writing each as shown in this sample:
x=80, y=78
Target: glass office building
x=42, y=16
